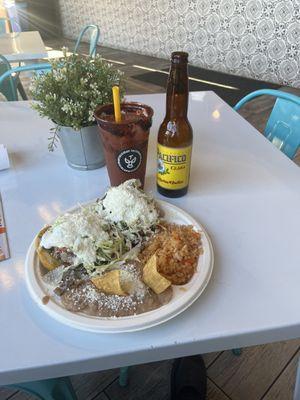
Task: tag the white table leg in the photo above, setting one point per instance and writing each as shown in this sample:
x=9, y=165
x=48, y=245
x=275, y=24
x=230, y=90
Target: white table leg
x=297, y=384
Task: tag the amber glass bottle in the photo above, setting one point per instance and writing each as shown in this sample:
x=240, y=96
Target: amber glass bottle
x=175, y=135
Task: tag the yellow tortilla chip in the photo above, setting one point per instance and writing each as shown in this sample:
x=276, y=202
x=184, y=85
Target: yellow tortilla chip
x=46, y=259
x=153, y=278
x=109, y=283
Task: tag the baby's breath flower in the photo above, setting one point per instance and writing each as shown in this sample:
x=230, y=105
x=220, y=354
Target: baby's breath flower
x=69, y=93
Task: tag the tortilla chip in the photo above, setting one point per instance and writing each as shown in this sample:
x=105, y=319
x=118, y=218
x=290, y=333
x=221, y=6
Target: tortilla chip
x=109, y=283
x=153, y=278
x=46, y=259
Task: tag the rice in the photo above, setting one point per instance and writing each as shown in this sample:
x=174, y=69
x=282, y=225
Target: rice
x=177, y=248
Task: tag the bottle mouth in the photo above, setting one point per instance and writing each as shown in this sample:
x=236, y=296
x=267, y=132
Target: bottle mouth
x=179, y=57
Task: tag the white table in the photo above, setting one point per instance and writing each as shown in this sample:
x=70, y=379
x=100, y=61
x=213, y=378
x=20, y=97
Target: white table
x=243, y=190
x=22, y=46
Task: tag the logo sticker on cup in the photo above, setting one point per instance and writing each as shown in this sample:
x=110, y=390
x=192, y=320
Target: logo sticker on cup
x=129, y=160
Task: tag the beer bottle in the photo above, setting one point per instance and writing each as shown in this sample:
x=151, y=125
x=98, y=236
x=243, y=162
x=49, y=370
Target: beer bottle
x=175, y=135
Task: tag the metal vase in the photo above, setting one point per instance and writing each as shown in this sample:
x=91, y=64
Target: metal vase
x=83, y=148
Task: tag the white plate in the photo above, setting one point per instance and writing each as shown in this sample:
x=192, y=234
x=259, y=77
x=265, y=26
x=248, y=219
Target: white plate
x=183, y=296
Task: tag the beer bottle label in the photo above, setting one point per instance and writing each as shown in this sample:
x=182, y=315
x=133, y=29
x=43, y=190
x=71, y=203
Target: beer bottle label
x=173, y=166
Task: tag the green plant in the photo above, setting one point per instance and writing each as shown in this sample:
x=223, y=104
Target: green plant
x=69, y=93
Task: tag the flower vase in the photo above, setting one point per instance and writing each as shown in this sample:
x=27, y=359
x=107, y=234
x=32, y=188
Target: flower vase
x=83, y=148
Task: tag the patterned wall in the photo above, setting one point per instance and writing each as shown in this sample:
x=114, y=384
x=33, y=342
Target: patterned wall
x=253, y=38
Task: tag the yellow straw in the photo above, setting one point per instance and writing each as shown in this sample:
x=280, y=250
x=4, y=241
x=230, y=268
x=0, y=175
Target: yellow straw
x=117, y=108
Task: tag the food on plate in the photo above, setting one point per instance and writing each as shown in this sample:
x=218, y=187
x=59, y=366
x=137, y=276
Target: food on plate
x=104, y=231
x=153, y=278
x=177, y=248
x=77, y=293
x=81, y=237
x=116, y=256
x=46, y=257
x=129, y=206
x=110, y=283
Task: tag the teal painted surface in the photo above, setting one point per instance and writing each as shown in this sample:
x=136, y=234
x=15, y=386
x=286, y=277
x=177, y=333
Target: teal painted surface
x=237, y=352
x=49, y=389
x=8, y=87
x=8, y=84
x=15, y=26
x=94, y=33
x=123, y=377
x=283, y=126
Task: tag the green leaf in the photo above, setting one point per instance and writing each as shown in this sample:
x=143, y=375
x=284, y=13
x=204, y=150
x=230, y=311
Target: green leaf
x=53, y=140
x=69, y=93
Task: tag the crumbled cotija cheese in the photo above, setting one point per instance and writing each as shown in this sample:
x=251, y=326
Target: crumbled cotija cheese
x=126, y=203
x=79, y=232
x=130, y=277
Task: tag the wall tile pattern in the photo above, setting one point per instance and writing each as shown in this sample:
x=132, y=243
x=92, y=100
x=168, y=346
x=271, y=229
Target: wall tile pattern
x=253, y=38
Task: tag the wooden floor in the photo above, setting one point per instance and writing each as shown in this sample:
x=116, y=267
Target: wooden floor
x=261, y=373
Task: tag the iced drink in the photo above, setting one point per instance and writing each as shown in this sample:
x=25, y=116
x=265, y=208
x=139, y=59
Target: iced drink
x=125, y=143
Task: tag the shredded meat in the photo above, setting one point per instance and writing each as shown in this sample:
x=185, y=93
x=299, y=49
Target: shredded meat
x=72, y=278
x=177, y=248
x=63, y=254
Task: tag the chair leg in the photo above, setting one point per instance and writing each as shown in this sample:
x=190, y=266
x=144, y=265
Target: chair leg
x=22, y=91
x=49, y=389
x=123, y=378
x=297, y=384
x=237, y=352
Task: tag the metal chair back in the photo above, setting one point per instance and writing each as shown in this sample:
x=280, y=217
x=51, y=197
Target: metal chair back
x=13, y=23
x=8, y=87
x=2, y=26
x=283, y=126
x=7, y=76
x=94, y=34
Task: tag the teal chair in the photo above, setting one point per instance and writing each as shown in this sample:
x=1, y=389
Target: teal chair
x=49, y=389
x=9, y=86
x=13, y=85
x=4, y=64
x=283, y=126
x=58, y=388
x=15, y=27
x=94, y=33
x=8, y=82
x=3, y=26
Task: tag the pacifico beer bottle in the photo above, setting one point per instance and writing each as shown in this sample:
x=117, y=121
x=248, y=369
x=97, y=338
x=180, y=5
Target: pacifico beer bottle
x=175, y=135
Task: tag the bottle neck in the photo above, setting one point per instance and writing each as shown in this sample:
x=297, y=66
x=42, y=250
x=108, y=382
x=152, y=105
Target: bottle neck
x=177, y=91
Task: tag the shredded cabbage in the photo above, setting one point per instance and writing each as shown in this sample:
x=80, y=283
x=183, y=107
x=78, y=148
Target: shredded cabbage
x=125, y=223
